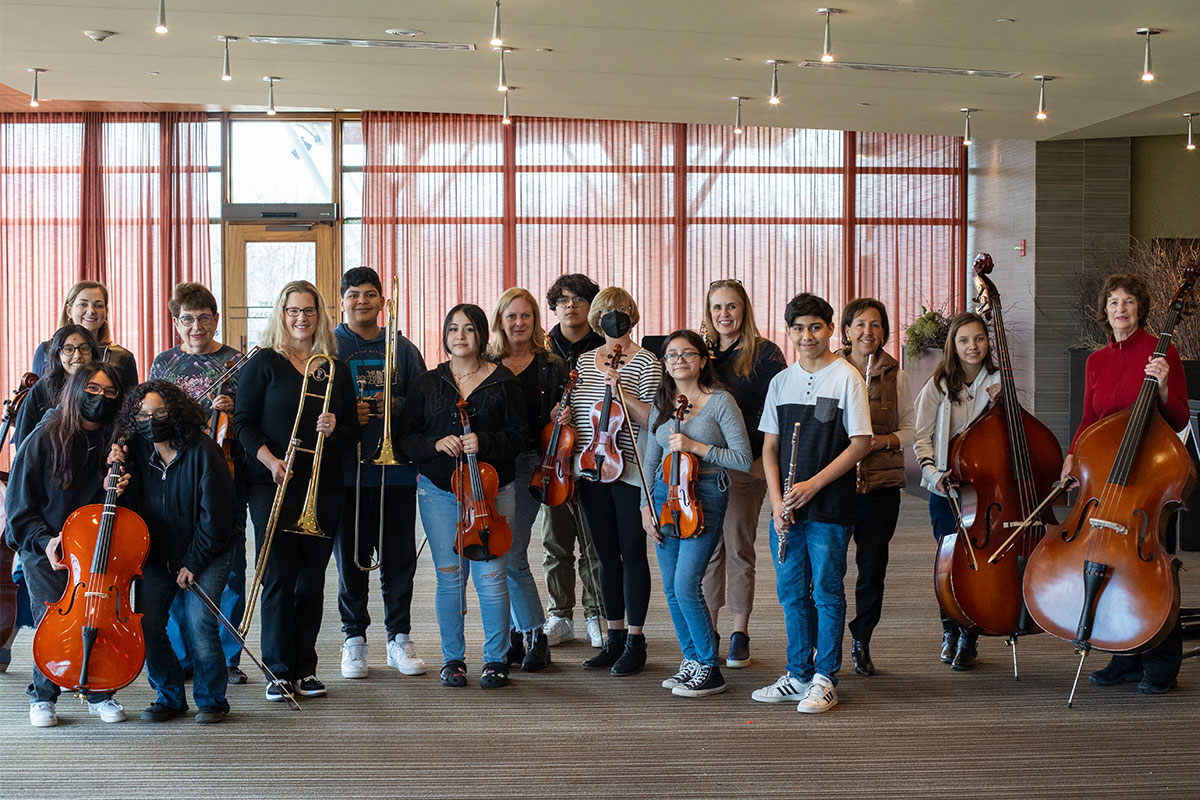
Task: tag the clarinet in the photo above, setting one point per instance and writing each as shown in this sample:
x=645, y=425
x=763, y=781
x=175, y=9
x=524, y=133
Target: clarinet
x=787, y=487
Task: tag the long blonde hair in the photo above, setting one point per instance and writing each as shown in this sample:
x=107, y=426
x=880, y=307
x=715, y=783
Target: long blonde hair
x=275, y=336
x=749, y=336
x=103, y=334
x=498, y=347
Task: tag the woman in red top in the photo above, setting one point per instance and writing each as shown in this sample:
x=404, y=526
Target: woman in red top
x=1112, y=381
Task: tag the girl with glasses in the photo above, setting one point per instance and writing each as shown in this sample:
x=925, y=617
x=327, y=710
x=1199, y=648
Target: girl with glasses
x=70, y=348
x=87, y=305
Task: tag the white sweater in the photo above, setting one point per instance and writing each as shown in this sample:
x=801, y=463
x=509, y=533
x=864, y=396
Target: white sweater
x=939, y=420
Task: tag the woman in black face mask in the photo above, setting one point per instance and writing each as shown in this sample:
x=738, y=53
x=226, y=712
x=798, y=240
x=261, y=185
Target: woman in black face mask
x=59, y=468
x=179, y=484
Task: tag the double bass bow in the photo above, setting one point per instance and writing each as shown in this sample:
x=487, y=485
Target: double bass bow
x=482, y=532
x=681, y=516
x=1105, y=580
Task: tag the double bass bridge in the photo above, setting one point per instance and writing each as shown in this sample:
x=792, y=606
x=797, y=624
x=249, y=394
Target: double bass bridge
x=1115, y=527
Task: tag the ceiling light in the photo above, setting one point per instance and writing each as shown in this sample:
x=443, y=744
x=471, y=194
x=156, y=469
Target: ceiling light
x=99, y=36
x=1147, y=72
x=502, y=84
x=1191, y=145
x=332, y=41
x=409, y=32
x=226, y=75
x=33, y=98
x=737, y=116
x=507, y=120
x=955, y=71
x=1041, y=79
x=161, y=27
x=270, y=79
x=967, y=140
x=773, y=99
x=497, y=39
x=827, y=53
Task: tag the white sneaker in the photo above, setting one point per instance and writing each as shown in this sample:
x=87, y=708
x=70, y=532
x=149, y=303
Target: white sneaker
x=108, y=711
x=559, y=630
x=354, y=657
x=785, y=689
x=687, y=668
x=402, y=655
x=595, y=632
x=42, y=714
x=820, y=696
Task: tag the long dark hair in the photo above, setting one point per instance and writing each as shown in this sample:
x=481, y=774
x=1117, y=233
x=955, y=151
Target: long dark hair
x=949, y=373
x=66, y=421
x=479, y=322
x=667, y=394
x=56, y=376
x=186, y=415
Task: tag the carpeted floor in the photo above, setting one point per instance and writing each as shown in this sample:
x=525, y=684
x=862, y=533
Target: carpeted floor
x=916, y=729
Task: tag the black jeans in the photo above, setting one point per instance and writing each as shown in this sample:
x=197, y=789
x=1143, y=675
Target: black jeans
x=1160, y=663
x=294, y=580
x=614, y=519
x=399, y=558
x=874, y=520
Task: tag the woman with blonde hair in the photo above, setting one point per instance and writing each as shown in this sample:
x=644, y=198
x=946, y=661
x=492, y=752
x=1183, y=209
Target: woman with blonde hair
x=86, y=304
x=267, y=403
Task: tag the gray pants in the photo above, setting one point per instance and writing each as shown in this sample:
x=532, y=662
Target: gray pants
x=560, y=531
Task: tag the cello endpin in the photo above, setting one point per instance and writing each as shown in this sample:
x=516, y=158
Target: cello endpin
x=1078, y=671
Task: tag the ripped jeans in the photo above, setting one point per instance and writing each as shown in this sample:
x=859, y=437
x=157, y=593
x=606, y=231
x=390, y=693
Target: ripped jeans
x=439, y=516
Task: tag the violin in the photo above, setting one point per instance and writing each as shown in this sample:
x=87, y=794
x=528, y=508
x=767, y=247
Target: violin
x=551, y=482
x=1003, y=462
x=90, y=640
x=1104, y=579
x=681, y=516
x=220, y=423
x=482, y=533
x=8, y=587
x=601, y=460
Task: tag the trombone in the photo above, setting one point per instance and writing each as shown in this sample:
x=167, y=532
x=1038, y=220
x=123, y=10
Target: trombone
x=387, y=454
x=307, y=523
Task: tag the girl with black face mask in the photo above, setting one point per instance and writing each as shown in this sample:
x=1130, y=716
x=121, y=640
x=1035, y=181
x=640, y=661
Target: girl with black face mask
x=180, y=485
x=59, y=468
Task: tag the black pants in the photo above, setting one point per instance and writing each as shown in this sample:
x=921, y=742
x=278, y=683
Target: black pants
x=294, y=580
x=398, y=563
x=874, y=520
x=614, y=519
x=1160, y=663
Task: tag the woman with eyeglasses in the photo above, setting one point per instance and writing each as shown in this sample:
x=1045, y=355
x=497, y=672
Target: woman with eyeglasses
x=745, y=362
x=611, y=509
x=181, y=487
x=713, y=431
x=87, y=305
x=70, y=348
x=60, y=468
x=268, y=400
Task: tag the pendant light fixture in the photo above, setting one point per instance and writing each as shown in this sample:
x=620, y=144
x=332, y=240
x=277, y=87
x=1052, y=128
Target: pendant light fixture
x=1041, y=79
x=1147, y=71
x=34, y=102
x=506, y=119
x=737, y=116
x=827, y=52
x=271, y=79
x=1191, y=145
x=497, y=39
x=773, y=99
x=226, y=75
x=161, y=27
x=502, y=84
x=967, y=140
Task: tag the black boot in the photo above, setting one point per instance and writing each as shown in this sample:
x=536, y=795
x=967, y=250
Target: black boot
x=633, y=660
x=537, y=655
x=860, y=652
x=614, y=645
x=968, y=648
x=949, y=646
x=516, y=647
x=1121, y=669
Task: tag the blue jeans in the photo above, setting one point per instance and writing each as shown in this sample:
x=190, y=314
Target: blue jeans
x=439, y=517
x=809, y=587
x=526, y=606
x=155, y=592
x=683, y=563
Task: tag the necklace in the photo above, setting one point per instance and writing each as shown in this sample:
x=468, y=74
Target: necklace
x=459, y=380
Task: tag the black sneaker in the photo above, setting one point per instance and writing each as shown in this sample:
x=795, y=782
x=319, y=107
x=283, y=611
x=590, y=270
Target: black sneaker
x=210, y=715
x=707, y=680
x=276, y=689
x=687, y=668
x=454, y=673
x=739, y=651
x=157, y=712
x=236, y=676
x=310, y=687
x=1118, y=671
x=1149, y=686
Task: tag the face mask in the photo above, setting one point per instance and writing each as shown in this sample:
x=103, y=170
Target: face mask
x=97, y=407
x=615, y=324
x=155, y=430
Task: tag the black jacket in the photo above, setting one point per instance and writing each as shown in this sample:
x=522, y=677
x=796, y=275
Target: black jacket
x=188, y=506
x=495, y=409
x=570, y=351
x=42, y=397
x=551, y=378
x=750, y=391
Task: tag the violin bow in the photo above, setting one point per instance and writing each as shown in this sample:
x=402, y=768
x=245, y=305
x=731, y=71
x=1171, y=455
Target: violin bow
x=952, y=496
x=1032, y=519
x=638, y=460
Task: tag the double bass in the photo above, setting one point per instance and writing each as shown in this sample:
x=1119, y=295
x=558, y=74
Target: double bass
x=8, y=588
x=601, y=460
x=551, y=482
x=1004, y=462
x=681, y=516
x=1105, y=580
x=482, y=533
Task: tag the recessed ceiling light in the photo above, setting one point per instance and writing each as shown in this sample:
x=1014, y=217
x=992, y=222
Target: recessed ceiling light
x=544, y=50
x=864, y=105
x=404, y=32
x=1005, y=19
x=732, y=58
x=154, y=74
x=338, y=42
x=99, y=36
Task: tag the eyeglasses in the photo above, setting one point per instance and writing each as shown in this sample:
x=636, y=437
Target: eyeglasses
x=108, y=391
x=159, y=415
x=69, y=350
x=186, y=320
x=686, y=355
x=311, y=311
x=569, y=300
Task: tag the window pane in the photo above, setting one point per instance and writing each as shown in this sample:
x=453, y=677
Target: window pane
x=352, y=194
x=351, y=245
x=282, y=162
x=353, y=151
x=270, y=265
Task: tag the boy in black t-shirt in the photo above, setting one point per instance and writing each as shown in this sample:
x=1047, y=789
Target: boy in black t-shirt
x=819, y=406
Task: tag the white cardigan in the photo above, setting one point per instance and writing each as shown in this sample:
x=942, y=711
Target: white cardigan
x=939, y=420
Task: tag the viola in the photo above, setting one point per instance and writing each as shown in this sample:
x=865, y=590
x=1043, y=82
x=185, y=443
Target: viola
x=220, y=423
x=8, y=587
x=1004, y=462
x=601, y=460
x=1104, y=579
x=482, y=532
x=90, y=640
x=681, y=516
x=551, y=482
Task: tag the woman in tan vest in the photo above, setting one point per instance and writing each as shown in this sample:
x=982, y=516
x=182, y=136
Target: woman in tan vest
x=865, y=331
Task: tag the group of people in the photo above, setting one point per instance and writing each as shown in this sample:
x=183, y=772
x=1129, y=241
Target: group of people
x=821, y=440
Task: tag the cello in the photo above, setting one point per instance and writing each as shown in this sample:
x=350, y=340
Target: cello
x=8, y=587
x=482, y=533
x=90, y=640
x=601, y=460
x=681, y=516
x=1004, y=462
x=551, y=481
x=1105, y=580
